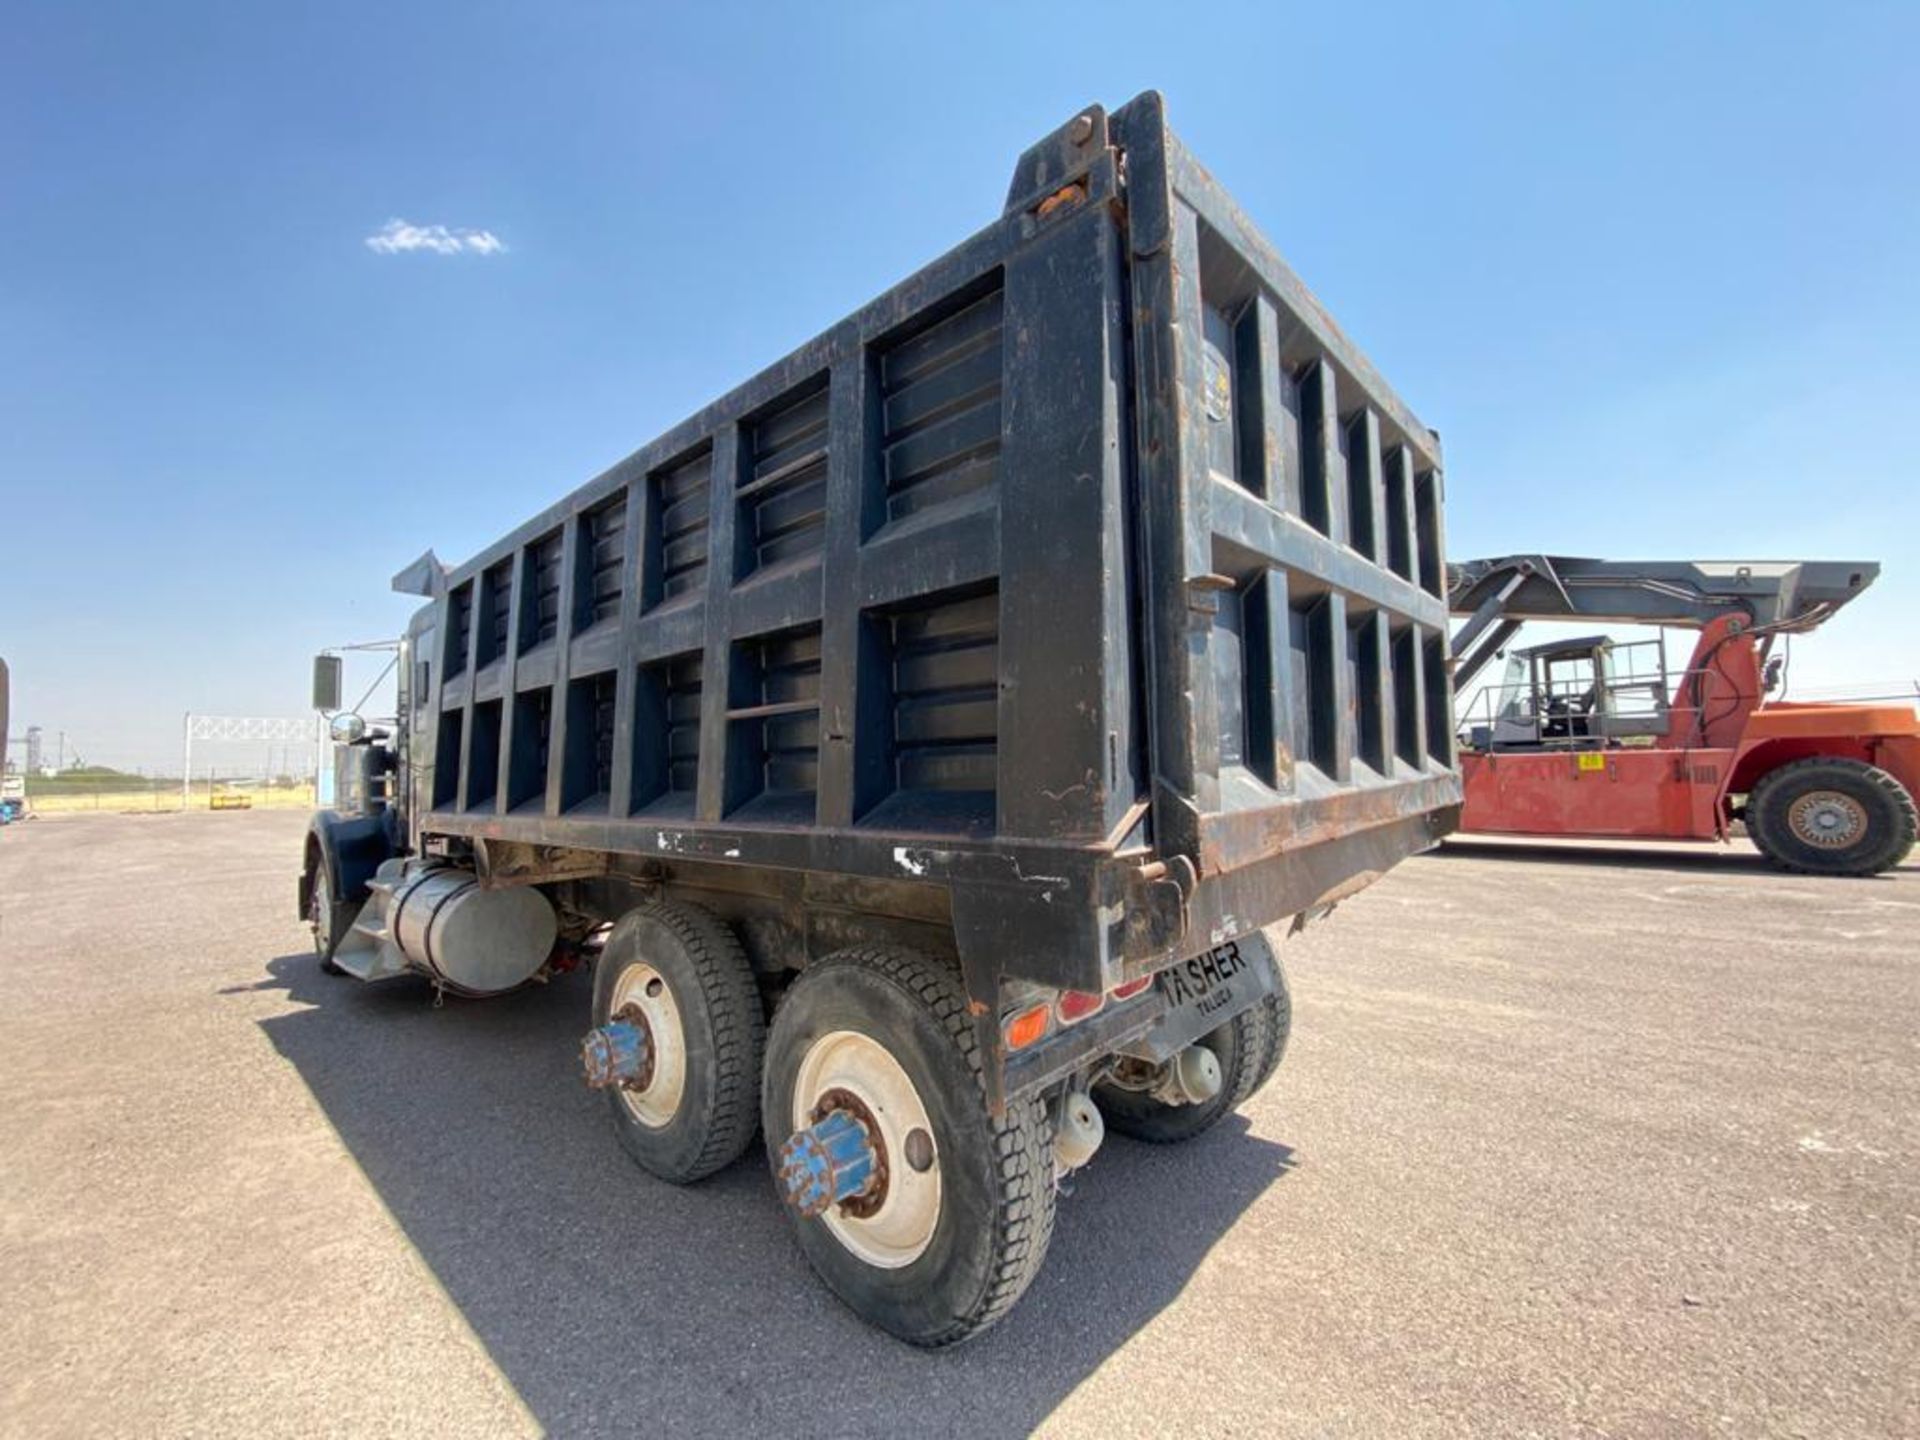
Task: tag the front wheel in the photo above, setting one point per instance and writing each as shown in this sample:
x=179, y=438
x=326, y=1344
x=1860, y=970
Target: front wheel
x=327, y=919
x=1832, y=817
x=872, y=1062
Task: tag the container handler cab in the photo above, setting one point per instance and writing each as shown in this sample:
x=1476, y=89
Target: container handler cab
x=1588, y=737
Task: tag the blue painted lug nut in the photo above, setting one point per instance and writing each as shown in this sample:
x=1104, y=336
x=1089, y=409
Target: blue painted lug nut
x=615, y=1054
x=829, y=1161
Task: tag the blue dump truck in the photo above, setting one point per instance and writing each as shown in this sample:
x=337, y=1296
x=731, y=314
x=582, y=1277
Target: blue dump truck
x=920, y=741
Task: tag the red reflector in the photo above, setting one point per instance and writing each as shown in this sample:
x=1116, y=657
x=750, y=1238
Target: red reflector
x=1132, y=988
x=1078, y=1005
x=1023, y=1027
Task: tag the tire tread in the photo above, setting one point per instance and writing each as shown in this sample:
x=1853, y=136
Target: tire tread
x=1894, y=846
x=738, y=1027
x=1023, y=1223
x=320, y=887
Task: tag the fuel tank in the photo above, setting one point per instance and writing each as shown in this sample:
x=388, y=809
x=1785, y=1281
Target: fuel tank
x=439, y=921
x=477, y=941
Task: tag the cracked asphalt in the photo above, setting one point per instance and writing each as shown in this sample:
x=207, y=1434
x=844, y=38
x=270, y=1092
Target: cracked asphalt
x=1569, y=1141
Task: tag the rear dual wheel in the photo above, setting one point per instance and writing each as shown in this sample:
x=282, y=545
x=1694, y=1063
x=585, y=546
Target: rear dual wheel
x=958, y=1229
x=956, y=1224
x=678, y=974
x=1249, y=1048
x=1832, y=817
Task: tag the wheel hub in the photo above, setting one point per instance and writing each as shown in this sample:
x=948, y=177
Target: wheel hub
x=864, y=1154
x=651, y=1080
x=620, y=1052
x=839, y=1159
x=867, y=1201
x=1827, y=819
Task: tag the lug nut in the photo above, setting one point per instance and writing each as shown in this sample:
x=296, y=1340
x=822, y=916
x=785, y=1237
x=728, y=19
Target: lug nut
x=615, y=1054
x=830, y=1161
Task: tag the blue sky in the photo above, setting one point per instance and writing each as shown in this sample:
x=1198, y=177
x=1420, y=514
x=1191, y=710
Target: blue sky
x=1651, y=271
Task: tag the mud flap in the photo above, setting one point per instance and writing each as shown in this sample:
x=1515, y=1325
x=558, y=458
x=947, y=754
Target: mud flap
x=1202, y=994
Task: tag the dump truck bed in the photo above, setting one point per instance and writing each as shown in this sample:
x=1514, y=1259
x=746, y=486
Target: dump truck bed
x=1089, y=580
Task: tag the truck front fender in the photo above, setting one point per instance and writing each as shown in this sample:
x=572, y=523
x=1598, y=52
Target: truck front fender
x=352, y=847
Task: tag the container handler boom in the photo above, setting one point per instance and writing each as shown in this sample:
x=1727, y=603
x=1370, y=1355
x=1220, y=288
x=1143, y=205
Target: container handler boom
x=1498, y=596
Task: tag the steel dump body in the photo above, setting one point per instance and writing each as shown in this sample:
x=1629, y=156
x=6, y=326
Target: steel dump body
x=1083, y=594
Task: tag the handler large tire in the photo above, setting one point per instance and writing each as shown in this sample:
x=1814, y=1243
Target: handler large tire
x=1832, y=817
x=961, y=1223
x=685, y=974
x=1249, y=1048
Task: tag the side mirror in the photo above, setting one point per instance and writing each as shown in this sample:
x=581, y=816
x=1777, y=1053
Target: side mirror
x=326, y=683
x=347, y=728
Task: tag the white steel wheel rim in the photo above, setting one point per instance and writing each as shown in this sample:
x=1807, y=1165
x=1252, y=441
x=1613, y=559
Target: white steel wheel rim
x=899, y=1231
x=1827, y=818
x=646, y=990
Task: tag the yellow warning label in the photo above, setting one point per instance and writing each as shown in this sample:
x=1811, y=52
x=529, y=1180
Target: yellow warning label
x=1593, y=760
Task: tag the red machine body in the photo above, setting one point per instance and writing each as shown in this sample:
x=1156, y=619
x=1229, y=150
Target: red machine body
x=1821, y=787
x=1687, y=785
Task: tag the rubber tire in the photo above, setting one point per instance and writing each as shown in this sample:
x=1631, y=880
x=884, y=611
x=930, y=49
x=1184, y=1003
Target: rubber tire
x=1891, y=819
x=725, y=1027
x=1250, y=1047
x=339, y=917
x=997, y=1194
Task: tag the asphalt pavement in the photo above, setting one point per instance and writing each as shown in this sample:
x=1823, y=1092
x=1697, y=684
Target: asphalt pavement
x=1568, y=1142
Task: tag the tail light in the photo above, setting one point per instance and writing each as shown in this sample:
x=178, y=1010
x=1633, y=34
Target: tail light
x=1035, y=1019
x=1076, y=1005
x=1023, y=1027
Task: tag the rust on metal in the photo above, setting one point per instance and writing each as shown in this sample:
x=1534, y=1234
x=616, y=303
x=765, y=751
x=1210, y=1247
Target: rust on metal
x=873, y=1195
x=1064, y=197
x=504, y=863
x=633, y=1015
x=1230, y=841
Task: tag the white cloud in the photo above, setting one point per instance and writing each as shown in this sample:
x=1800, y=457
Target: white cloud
x=398, y=237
